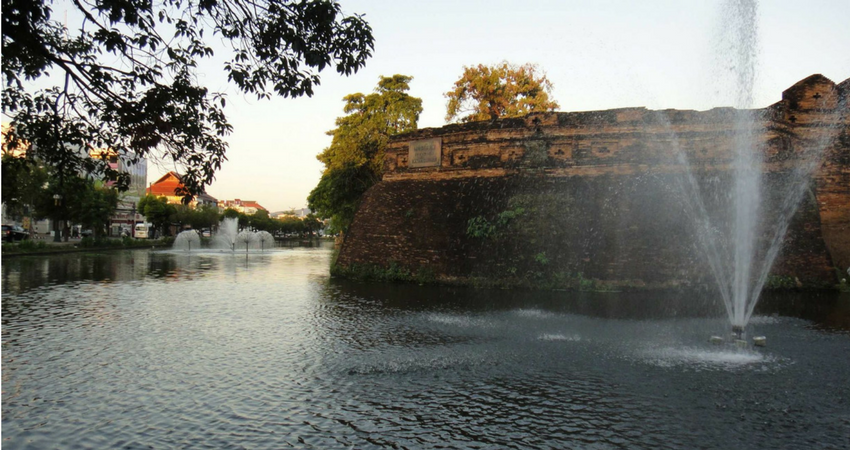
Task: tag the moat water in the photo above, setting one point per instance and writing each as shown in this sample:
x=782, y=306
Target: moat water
x=166, y=349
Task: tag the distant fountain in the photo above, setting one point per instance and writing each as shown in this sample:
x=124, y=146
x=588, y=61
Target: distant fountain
x=225, y=237
x=245, y=239
x=228, y=238
x=187, y=240
x=265, y=240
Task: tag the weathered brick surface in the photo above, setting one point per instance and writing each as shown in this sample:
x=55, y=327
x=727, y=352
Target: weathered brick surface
x=603, y=193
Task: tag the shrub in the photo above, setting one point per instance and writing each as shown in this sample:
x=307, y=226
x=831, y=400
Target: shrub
x=479, y=227
x=29, y=245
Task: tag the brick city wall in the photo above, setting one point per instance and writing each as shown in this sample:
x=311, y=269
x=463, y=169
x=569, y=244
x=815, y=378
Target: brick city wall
x=600, y=197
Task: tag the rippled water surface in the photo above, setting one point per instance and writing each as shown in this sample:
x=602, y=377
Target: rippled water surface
x=211, y=350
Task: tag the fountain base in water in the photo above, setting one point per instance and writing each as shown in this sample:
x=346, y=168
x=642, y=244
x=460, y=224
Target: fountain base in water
x=738, y=331
x=739, y=339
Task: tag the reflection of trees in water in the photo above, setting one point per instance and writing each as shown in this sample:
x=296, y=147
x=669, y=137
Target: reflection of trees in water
x=161, y=267
x=183, y=266
x=25, y=273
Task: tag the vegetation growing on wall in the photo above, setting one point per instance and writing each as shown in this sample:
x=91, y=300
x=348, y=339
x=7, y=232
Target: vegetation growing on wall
x=482, y=228
x=393, y=272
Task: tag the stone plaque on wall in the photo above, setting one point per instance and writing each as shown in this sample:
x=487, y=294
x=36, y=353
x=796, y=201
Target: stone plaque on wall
x=425, y=153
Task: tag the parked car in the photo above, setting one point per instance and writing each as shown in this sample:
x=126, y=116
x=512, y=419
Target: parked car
x=14, y=233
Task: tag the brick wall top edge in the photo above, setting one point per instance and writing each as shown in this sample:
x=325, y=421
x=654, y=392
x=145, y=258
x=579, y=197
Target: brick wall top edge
x=611, y=116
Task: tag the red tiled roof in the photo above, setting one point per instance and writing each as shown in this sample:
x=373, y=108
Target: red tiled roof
x=169, y=185
x=252, y=204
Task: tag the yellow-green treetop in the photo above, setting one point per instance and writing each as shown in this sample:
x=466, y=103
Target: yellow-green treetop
x=503, y=90
x=354, y=161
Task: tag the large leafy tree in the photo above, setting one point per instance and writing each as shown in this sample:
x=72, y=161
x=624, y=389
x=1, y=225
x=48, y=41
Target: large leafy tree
x=312, y=224
x=502, y=90
x=29, y=190
x=23, y=183
x=354, y=161
x=197, y=217
x=230, y=213
x=260, y=220
x=157, y=211
x=123, y=75
x=92, y=205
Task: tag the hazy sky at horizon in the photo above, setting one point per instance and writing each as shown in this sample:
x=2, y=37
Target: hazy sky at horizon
x=599, y=54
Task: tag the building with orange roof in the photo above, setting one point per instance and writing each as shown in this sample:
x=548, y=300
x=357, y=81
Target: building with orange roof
x=171, y=187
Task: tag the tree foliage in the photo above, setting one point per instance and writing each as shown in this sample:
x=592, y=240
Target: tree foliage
x=93, y=206
x=354, y=161
x=230, y=213
x=125, y=75
x=198, y=218
x=157, y=211
x=32, y=189
x=23, y=182
x=503, y=90
x=261, y=221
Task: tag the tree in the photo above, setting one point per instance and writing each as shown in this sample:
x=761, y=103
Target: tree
x=181, y=215
x=157, y=211
x=23, y=182
x=312, y=224
x=31, y=189
x=230, y=213
x=244, y=221
x=125, y=76
x=260, y=220
x=291, y=225
x=93, y=206
x=205, y=216
x=198, y=217
x=504, y=90
x=354, y=161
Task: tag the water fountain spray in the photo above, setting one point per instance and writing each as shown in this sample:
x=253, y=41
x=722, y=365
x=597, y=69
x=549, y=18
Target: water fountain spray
x=740, y=245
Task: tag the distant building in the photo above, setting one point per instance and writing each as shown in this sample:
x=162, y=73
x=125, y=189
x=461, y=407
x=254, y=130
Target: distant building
x=171, y=187
x=300, y=213
x=247, y=207
x=126, y=215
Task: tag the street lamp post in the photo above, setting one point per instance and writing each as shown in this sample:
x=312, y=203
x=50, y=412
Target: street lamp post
x=57, y=200
x=133, y=221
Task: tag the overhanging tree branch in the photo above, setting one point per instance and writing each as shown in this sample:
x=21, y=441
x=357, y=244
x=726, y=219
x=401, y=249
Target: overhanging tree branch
x=131, y=82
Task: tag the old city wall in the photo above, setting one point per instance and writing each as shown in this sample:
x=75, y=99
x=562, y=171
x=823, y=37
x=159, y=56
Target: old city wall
x=599, y=199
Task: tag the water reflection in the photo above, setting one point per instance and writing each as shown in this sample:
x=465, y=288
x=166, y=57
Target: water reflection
x=32, y=272
x=209, y=349
x=826, y=309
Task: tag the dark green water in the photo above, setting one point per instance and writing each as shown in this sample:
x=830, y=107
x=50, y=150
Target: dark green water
x=211, y=350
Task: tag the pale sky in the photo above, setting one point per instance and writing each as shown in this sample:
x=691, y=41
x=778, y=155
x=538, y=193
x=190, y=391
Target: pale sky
x=599, y=54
